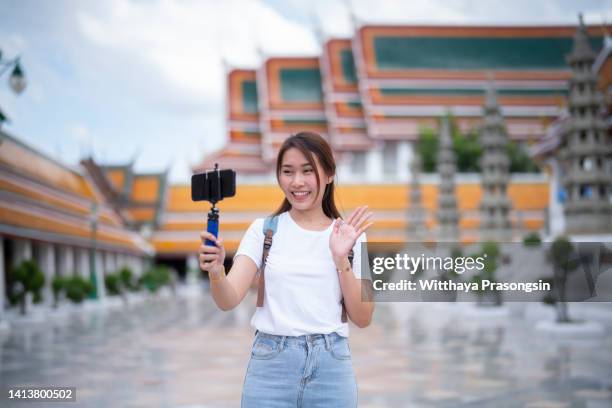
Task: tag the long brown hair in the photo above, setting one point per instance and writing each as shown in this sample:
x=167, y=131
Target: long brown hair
x=312, y=144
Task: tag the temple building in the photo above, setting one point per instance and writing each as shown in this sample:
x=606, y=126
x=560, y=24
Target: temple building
x=244, y=147
x=372, y=96
x=58, y=216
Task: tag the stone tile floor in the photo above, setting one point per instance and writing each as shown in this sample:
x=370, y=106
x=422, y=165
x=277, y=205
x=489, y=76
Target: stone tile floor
x=183, y=353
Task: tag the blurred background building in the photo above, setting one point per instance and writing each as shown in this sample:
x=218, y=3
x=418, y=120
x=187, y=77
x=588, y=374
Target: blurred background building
x=59, y=216
x=380, y=98
x=376, y=97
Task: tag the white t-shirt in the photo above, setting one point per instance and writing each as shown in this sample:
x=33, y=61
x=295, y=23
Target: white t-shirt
x=302, y=290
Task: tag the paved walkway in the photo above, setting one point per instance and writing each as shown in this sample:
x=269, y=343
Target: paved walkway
x=185, y=353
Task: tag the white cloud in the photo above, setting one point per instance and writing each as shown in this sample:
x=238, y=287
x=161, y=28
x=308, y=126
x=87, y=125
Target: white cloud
x=335, y=20
x=182, y=43
x=480, y=12
x=80, y=133
x=81, y=140
x=167, y=56
x=13, y=44
x=282, y=36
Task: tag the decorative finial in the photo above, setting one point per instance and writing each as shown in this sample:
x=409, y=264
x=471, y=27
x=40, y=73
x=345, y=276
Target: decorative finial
x=352, y=16
x=317, y=28
x=225, y=64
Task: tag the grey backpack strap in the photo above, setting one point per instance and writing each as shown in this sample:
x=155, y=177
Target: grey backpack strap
x=344, y=317
x=269, y=228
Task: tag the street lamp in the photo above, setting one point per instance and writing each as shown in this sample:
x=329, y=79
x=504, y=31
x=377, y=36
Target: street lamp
x=17, y=80
x=92, y=251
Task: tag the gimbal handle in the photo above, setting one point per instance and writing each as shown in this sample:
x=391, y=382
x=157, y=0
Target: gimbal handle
x=212, y=225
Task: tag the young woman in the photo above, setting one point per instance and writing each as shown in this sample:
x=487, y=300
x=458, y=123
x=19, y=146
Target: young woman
x=300, y=355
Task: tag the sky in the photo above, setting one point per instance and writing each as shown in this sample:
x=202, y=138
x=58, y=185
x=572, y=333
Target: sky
x=144, y=80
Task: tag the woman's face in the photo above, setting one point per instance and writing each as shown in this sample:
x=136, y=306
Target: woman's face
x=298, y=181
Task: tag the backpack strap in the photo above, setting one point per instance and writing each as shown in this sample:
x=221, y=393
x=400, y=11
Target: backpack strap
x=269, y=228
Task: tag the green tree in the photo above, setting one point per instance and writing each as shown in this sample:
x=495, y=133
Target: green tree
x=468, y=151
x=77, y=288
x=126, y=276
x=520, y=162
x=155, y=278
x=532, y=239
x=562, y=256
x=491, y=254
x=428, y=149
x=27, y=278
x=112, y=283
x=57, y=286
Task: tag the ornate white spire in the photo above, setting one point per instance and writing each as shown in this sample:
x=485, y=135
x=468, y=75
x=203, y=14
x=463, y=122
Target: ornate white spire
x=448, y=216
x=586, y=149
x=495, y=205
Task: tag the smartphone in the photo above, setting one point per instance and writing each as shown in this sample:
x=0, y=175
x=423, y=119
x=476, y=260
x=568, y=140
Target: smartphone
x=213, y=185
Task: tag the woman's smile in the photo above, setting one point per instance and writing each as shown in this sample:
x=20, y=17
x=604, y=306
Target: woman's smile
x=300, y=195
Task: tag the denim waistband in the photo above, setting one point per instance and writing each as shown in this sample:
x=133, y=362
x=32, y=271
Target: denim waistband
x=326, y=339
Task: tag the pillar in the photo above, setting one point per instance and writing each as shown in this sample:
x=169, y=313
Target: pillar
x=374, y=164
x=404, y=158
x=100, y=286
x=47, y=265
x=3, y=297
x=66, y=261
x=108, y=267
x=193, y=269
x=82, y=263
x=23, y=251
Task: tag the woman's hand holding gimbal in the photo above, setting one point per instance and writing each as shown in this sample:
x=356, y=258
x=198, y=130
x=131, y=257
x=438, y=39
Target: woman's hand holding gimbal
x=211, y=257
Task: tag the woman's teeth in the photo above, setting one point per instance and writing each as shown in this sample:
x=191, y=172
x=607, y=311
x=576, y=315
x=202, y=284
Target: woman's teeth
x=300, y=194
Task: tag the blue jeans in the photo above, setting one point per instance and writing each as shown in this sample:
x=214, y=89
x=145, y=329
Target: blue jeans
x=300, y=371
